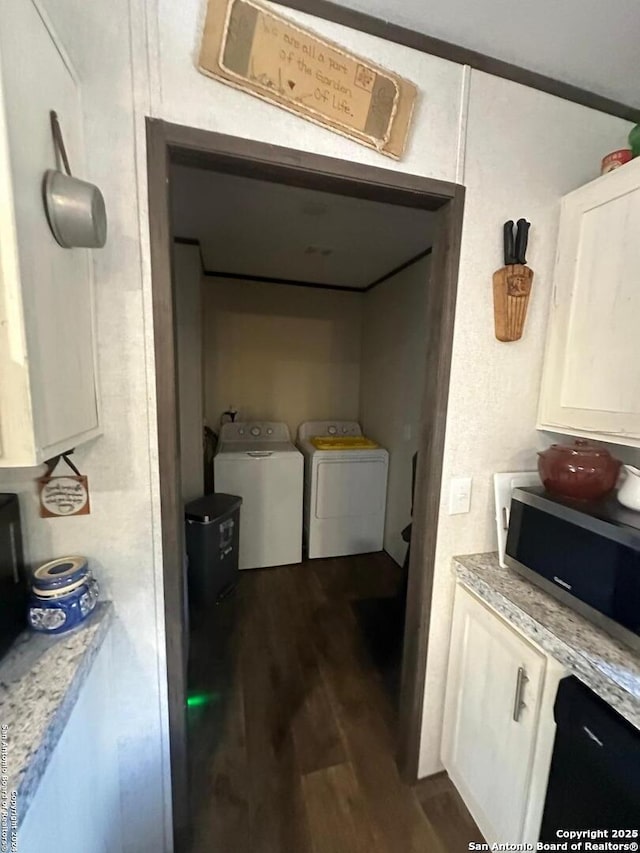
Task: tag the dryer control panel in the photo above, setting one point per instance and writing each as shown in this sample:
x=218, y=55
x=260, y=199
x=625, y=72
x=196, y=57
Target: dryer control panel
x=311, y=429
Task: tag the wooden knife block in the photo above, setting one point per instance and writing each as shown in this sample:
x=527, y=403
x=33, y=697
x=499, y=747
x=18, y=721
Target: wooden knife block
x=511, y=291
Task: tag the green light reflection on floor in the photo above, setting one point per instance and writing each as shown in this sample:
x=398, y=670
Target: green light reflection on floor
x=199, y=700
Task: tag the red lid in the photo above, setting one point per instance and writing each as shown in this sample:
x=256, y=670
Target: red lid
x=581, y=447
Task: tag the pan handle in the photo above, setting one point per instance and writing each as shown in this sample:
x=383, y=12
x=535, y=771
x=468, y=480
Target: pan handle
x=56, y=131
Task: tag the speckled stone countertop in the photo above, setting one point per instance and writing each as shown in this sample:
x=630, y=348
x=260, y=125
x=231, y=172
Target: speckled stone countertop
x=609, y=668
x=40, y=679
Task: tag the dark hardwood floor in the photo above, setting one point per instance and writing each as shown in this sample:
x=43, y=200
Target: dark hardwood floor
x=291, y=729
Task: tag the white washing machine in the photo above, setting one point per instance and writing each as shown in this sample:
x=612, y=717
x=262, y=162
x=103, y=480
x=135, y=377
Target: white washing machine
x=258, y=462
x=345, y=490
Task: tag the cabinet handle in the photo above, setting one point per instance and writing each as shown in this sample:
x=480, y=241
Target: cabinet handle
x=518, y=703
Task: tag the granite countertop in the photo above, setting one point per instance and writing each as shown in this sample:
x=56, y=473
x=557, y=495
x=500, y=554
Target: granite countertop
x=40, y=679
x=609, y=668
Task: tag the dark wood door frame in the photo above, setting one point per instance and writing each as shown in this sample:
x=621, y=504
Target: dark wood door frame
x=169, y=143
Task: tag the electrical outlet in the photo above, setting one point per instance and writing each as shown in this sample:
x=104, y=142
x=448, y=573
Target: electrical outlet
x=459, y=495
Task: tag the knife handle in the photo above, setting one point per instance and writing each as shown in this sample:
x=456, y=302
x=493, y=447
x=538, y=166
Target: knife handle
x=522, y=237
x=509, y=257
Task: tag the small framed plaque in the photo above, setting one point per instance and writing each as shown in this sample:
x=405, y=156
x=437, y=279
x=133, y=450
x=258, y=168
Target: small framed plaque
x=63, y=495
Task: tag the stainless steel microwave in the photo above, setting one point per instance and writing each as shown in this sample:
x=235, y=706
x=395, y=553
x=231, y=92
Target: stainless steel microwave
x=13, y=582
x=587, y=555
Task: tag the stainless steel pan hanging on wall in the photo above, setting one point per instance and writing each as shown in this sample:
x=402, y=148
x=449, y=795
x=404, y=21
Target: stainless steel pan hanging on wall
x=75, y=209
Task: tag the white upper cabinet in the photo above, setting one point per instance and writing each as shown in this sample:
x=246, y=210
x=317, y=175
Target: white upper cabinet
x=48, y=393
x=591, y=379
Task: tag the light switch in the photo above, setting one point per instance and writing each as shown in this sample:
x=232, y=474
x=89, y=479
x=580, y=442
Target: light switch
x=407, y=432
x=459, y=495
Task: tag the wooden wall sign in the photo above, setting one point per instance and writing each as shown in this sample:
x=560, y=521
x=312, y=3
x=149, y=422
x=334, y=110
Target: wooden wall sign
x=254, y=49
x=63, y=495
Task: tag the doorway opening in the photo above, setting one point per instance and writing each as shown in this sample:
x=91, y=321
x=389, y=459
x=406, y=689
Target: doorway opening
x=342, y=261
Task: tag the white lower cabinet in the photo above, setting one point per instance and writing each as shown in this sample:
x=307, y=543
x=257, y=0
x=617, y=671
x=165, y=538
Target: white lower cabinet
x=76, y=807
x=498, y=724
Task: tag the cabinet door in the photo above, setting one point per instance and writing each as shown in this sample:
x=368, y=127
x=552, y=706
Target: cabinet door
x=76, y=807
x=488, y=743
x=48, y=395
x=591, y=380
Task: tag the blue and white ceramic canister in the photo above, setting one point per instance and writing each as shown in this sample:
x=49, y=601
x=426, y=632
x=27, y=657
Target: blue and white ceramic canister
x=63, y=593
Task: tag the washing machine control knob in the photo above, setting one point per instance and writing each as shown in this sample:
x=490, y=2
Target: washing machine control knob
x=269, y=431
x=241, y=431
x=344, y=429
x=332, y=430
x=255, y=431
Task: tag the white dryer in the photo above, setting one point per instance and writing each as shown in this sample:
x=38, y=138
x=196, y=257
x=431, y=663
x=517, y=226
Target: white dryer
x=258, y=462
x=345, y=489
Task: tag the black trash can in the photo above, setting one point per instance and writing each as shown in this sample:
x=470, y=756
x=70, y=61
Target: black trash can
x=212, y=538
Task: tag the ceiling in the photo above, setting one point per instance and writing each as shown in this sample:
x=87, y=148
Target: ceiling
x=591, y=44
x=261, y=229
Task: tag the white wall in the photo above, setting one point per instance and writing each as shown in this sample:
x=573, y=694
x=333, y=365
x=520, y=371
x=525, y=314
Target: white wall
x=394, y=340
x=135, y=58
x=281, y=353
x=187, y=277
x=181, y=94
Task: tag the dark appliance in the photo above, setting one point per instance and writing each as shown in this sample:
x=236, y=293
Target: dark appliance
x=209, y=445
x=13, y=579
x=212, y=542
x=594, y=781
x=382, y=620
x=587, y=555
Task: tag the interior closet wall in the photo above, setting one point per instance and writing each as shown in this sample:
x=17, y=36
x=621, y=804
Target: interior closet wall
x=394, y=331
x=187, y=276
x=279, y=352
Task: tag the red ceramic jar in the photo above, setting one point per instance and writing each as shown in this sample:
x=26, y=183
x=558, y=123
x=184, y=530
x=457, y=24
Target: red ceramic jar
x=580, y=470
x=615, y=160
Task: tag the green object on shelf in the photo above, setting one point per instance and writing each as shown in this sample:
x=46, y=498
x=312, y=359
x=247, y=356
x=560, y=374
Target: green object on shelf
x=634, y=140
